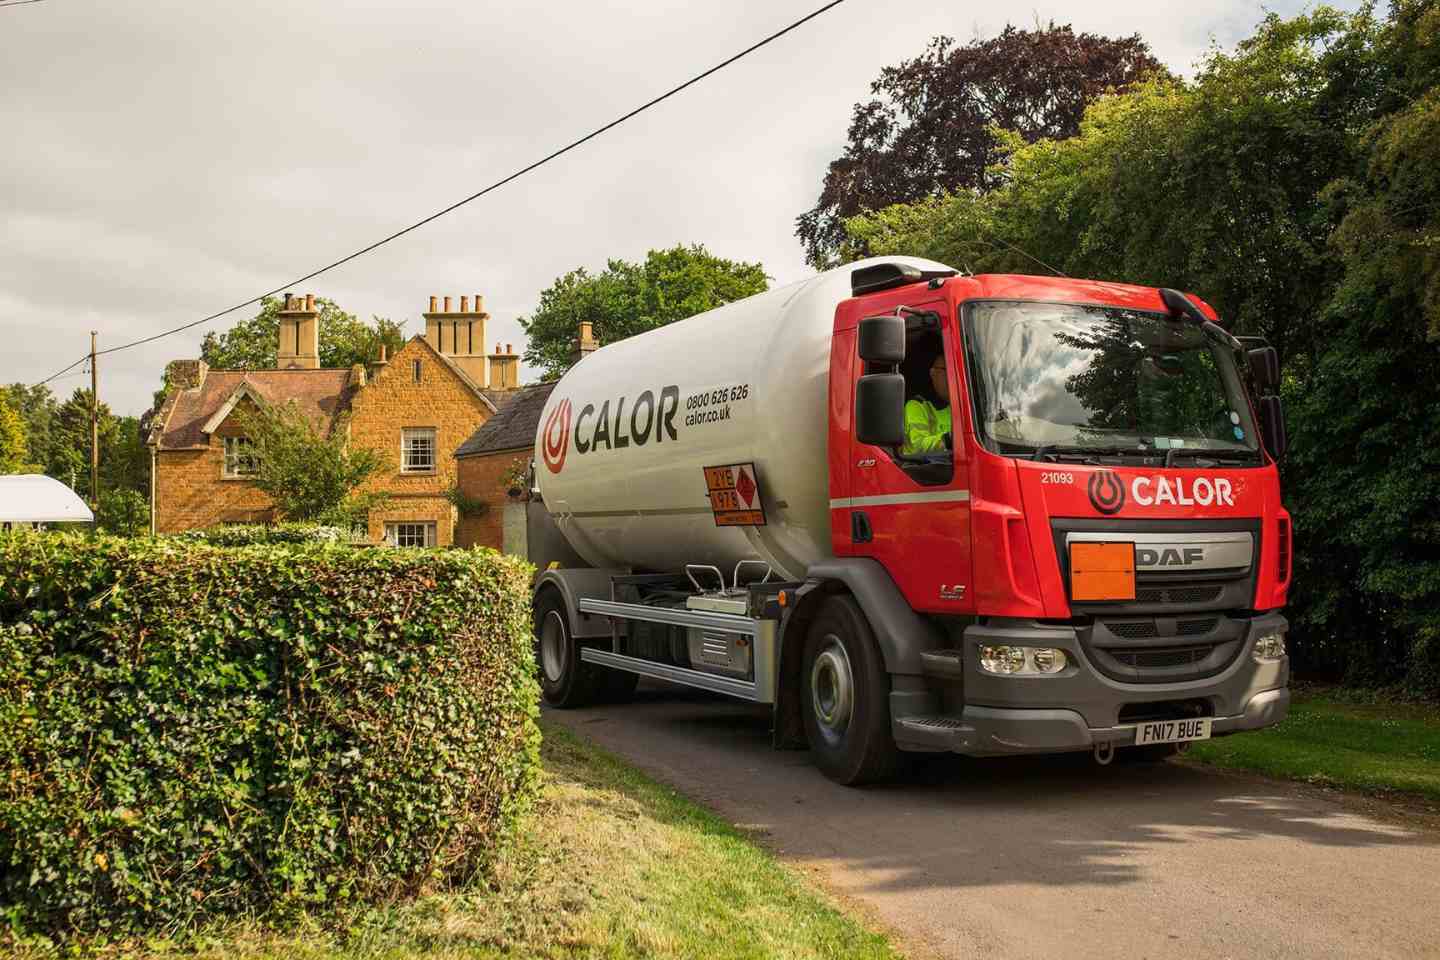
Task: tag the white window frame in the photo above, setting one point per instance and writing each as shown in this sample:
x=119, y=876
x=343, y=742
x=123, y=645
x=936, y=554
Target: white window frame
x=235, y=460
x=415, y=533
x=409, y=434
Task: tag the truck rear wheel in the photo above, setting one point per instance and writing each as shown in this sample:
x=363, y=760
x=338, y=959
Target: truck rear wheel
x=565, y=681
x=846, y=697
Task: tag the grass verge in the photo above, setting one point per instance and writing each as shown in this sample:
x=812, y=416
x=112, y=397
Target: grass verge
x=610, y=864
x=1329, y=738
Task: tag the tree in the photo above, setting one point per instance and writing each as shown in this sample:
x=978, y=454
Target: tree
x=14, y=451
x=630, y=298
x=930, y=127
x=36, y=407
x=70, y=442
x=1213, y=186
x=345, y=340
x=308, y=474
x=123, y=512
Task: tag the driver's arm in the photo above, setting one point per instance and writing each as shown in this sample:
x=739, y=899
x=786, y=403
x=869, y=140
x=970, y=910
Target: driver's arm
x=922, y=433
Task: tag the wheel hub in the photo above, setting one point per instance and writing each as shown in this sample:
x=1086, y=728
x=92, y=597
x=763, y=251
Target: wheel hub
x=553, y=648
x=832, y=688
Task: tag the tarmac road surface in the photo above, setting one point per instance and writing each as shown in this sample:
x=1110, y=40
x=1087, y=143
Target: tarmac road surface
x=1056, y=857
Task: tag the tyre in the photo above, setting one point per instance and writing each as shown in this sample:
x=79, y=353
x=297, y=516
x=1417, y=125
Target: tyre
x=845, y=694
x=565, y=681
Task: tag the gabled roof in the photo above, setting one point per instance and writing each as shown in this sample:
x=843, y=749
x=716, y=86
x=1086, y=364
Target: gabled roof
x=322, y=395
x=455, y=368
x=34, y=498
x=513, y=428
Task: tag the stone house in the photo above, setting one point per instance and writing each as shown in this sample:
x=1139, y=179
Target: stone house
x=411, y=408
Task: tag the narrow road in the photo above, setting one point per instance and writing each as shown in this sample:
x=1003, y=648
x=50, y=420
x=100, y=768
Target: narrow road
x=1051, y=858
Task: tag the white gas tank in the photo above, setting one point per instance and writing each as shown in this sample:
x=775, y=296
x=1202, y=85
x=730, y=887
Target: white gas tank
x=626, y=435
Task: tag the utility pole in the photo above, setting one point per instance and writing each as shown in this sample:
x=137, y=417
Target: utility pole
x=94, y=427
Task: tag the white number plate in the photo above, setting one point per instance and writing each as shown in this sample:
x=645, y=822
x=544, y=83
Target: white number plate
x=1172, y=731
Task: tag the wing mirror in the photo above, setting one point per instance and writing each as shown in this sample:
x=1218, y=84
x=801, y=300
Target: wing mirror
x=881, y=340
x=1264, y=368
x=1272, y=423
x=880, y=409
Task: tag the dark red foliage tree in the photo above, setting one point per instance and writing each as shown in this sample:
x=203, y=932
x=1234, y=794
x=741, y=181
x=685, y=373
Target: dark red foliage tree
x=927, y=129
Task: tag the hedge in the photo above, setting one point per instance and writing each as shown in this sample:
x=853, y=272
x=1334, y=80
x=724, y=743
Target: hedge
x=189, y=731
x=246, y=534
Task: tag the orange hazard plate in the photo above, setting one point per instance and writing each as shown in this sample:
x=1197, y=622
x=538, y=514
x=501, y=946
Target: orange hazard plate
x=1102, y=571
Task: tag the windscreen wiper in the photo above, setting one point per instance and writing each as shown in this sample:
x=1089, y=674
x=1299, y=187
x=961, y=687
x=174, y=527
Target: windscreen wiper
x=1079, y=450
x=1220, y=455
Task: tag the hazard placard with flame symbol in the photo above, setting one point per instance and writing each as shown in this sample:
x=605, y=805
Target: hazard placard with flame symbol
x=555, y=440
x=735, y=495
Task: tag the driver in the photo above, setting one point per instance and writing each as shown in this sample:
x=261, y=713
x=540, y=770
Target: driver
x=927, y=422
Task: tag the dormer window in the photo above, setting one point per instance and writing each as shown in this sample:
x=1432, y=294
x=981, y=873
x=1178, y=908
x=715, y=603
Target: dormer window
x=240, y=457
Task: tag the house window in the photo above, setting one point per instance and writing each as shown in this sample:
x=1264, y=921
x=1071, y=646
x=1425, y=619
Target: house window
x=417, y=450
x=240, y=458
x=410, y=534
x=416, y=368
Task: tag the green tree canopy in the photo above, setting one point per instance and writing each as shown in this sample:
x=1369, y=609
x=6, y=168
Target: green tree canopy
x=310, y=475
x=345, y=340
x=14, y=451
x=629, y=298
x=932, y=123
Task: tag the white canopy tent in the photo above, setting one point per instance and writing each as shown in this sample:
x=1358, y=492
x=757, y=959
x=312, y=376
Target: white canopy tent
x=33, y=498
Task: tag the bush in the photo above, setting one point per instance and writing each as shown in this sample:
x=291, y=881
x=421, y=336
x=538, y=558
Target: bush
x=189, y=731
x=123, y=512
x=250, y=534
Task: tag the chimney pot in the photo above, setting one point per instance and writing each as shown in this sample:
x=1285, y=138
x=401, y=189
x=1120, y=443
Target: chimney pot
x=432, y=304
x=309, y=301
x=447, y=304
x=383, y=349
x=287, y=302
x=464, y=304
x=508, y=351
x=479, y=304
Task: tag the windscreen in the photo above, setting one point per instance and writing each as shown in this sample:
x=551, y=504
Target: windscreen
x=1056, y=375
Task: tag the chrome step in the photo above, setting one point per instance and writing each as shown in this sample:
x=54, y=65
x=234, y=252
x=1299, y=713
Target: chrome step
x=730, y=686
x=933, y=732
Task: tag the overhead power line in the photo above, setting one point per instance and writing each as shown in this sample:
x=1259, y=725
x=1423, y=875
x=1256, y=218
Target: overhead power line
x=474, y=196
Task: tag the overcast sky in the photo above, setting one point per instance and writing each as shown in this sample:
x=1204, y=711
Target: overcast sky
x=164, y=159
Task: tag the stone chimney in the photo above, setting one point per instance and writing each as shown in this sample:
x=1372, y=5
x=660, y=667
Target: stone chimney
x=186, y=374
x=504, y=369
x=380, y=363
x=585, y=343
x=459, y=334
x=299, y=334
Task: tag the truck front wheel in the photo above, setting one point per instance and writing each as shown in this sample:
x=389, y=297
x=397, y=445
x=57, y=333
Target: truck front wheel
x=846, y=694
x=565, y=681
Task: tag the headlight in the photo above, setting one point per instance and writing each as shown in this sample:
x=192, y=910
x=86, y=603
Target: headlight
x=1270, y=648
x=1007, y=660
x=1048, y=659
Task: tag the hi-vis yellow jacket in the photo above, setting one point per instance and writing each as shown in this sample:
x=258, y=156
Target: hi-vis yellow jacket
x=925, y=427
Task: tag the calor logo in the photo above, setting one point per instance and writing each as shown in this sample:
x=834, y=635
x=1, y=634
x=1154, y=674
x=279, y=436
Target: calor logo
x=555, y=440
x=1107, y=492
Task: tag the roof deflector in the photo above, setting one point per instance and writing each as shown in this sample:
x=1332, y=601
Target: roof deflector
x=883, y=276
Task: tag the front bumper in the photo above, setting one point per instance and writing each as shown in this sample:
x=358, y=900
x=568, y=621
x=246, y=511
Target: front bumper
x=1080, y=707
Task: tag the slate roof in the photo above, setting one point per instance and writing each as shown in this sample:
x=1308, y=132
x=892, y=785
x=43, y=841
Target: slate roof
x=513, y=427
x=321, y=395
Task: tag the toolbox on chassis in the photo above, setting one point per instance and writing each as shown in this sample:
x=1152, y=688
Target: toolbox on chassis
x=917, y=511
